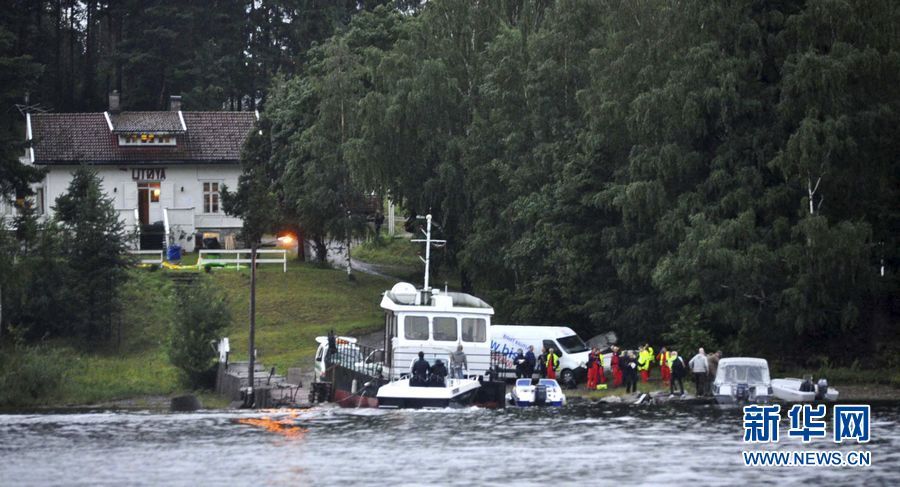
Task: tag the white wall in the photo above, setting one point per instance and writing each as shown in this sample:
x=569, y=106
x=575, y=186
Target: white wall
x=181, y=192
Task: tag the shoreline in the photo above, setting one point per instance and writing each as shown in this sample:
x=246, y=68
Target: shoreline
x=861, y=393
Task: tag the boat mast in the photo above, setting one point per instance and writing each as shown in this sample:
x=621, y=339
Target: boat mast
x=428, y=241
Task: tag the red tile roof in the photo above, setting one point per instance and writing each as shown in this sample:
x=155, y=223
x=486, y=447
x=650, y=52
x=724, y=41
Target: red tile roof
x=72, y=138
x=138, y=122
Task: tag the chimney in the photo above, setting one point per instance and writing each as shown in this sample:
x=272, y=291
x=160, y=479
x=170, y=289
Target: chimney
x=174, y=103
x=114, y=106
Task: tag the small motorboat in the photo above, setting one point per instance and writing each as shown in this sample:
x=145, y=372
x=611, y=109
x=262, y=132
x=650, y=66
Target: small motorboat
x=400, y=394
x=540, y=392
x=741, y=380
x=790, y=389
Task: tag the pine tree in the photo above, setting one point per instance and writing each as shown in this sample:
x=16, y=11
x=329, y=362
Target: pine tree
x=94, y=244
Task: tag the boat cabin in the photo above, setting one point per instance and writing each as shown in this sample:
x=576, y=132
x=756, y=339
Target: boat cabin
x=435, y=323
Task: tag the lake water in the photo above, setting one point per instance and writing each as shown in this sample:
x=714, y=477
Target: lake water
x=586, y=444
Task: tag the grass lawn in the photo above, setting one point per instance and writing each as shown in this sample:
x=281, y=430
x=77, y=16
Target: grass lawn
x=391, y=252
x=295, y=307
x=292, y=309
x=103, y=377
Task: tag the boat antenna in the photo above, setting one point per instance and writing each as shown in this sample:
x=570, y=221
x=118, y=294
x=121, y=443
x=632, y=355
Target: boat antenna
x=428, y=243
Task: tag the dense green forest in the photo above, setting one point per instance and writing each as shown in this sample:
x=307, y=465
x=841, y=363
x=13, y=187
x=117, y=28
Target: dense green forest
x=724, y=173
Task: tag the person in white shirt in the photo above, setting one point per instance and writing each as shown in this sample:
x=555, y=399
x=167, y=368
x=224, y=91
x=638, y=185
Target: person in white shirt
x=700, y=367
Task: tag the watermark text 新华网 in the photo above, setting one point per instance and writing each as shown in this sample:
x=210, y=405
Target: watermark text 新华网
x=850, y=424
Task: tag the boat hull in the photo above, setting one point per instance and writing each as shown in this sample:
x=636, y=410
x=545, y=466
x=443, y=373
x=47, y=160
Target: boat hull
x=400, y=394
x=346, y=399
x=789, y=390
x=528, y=404
x=463, y=400
x=728, y=400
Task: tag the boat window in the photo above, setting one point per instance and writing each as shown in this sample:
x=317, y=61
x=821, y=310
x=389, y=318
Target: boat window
x=415, y=327
x=474, y=330
x=445, y=329
x=319, y=353
x=746, y=373
x=572, y=344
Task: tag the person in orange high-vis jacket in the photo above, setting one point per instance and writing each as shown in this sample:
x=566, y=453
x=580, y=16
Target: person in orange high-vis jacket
x=614, y=365
x=664, y=371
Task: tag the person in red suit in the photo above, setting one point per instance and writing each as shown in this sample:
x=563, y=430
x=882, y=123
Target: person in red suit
x=592, y=369
x=616, y=370
x=552, y=363
x=664, y=371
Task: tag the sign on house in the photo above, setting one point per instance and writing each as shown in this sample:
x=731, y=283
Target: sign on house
x=148, y=174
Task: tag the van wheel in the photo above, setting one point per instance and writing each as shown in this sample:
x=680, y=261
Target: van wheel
x=566, y=376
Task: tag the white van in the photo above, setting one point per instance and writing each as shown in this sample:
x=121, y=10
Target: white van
x=572, y=351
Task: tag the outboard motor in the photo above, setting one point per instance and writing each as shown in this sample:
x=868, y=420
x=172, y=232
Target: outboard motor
x=742, y=392
x=540, y=395
x=822, y=388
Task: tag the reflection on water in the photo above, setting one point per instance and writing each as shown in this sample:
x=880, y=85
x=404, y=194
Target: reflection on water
x=583, y=444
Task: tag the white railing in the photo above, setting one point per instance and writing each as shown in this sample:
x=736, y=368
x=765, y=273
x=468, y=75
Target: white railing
x=158, y=253
x=215, y=256
x=166, y=228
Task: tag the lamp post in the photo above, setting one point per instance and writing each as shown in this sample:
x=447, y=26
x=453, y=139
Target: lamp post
x=251, y=402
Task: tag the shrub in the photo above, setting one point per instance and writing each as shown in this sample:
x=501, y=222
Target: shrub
x=200, y=317
x=31, y=375
x=686, y=338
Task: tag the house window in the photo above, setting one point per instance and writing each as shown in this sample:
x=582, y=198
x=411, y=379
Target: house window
x=210, y=197
x=146, y=139
x=38, y=201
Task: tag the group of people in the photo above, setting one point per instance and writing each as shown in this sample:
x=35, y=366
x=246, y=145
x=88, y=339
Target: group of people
x=704, y=368
x=424, y=374
x=546, y=364
x=627, y=366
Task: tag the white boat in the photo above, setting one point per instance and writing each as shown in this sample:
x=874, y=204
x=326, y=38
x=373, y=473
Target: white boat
x=436, y=324
x=788, y=389
x=742, y=380
x=546, y=392
x=400, y=394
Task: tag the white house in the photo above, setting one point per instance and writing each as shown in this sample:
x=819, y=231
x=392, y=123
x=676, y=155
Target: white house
x=164, y=170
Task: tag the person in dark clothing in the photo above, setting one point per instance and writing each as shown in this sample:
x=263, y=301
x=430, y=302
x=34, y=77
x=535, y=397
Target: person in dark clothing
x=438, y=374
x=332, y=348
x=678, y=371
x=807, y=384
x=379, y=221
x=530, y=362
x=629, y=372
x=520, y=364
x=542, y=363
x=411, y=224
x=420, y=370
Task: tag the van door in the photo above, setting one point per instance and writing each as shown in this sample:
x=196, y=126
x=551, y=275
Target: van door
x=320, y=361
x=548, y=344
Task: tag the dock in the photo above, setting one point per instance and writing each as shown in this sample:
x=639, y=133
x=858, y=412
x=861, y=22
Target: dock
x=271, y=389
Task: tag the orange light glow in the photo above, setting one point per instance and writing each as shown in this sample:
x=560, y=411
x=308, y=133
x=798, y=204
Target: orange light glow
x=156, y=192
x=286, y=427
x=286, y=240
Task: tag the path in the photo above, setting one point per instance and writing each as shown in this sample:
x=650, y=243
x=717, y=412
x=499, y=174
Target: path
x=337, y=257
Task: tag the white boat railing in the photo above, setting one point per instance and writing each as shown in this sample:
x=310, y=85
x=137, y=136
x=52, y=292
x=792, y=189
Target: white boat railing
x=158, y=253
x=236, y=257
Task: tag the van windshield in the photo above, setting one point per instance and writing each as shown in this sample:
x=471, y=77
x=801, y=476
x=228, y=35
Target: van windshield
x=572, y=344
